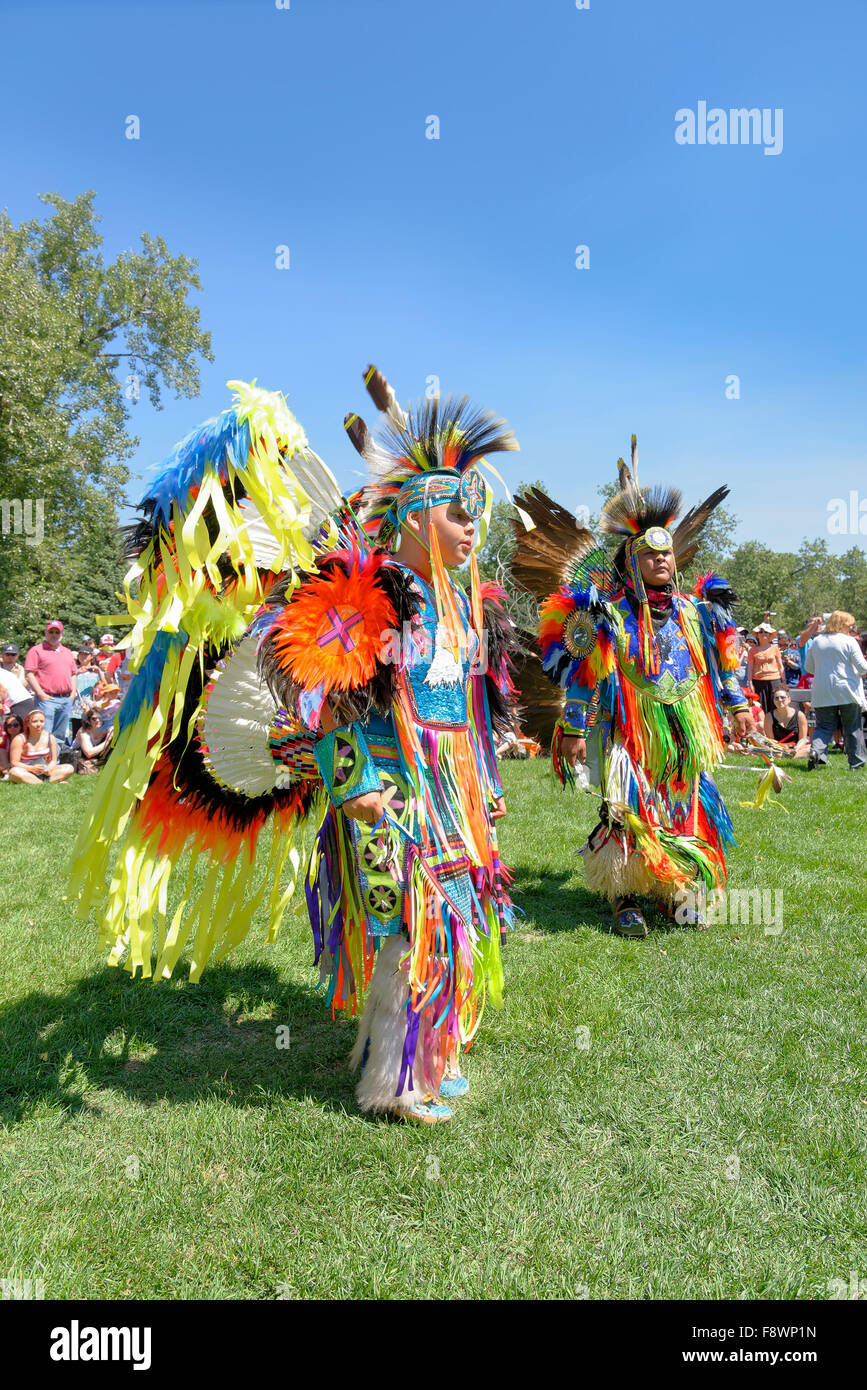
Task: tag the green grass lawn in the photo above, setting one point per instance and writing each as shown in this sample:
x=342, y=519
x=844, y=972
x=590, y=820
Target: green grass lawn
x=678, y=1118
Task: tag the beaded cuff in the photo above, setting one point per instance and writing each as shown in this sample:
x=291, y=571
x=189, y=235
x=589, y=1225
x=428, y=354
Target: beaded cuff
x=573, y=720
x=346, y=765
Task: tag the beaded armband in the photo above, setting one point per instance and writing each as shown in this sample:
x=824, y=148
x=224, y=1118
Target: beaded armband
x=346, y=765
x=573, y=720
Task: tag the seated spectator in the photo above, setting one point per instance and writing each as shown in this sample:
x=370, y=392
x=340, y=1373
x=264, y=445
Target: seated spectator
x=94, y=740
x=12, y=726
x=33, y=755
x=788, y=725
x=791, y=662
x=742, y=648
x=105, y=699
x=87, y=679
x=509, y=745
x=123, y=676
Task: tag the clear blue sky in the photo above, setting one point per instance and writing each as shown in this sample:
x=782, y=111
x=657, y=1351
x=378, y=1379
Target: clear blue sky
x=455, y=257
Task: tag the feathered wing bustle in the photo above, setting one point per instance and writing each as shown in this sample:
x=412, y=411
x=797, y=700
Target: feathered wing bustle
x=548, y=554
x=687, y=534
x=237, y=501
x=541, y=701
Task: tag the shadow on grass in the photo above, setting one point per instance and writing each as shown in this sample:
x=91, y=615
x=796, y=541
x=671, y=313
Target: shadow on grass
x=174, y=1042
x=555, y=902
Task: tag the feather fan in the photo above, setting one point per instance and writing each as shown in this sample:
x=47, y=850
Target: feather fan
x=549, y=554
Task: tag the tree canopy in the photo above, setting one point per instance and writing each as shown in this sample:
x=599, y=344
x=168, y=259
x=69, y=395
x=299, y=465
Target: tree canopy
x=81, y=341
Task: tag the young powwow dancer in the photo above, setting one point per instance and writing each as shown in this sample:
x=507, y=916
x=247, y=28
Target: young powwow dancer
x=408, y=676
x=288, y=664
x=646, y=669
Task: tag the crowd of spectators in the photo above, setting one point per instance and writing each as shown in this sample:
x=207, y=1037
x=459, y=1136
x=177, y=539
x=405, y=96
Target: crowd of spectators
x=57, y=708
x=809, y=691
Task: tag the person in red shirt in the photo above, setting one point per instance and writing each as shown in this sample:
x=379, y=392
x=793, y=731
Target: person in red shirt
x=107, y=657
x=50, y=671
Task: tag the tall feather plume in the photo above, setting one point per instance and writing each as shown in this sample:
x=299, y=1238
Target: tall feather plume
x=627, y=477
x=377, y=460
x=358, y=432
x=547, y=556
x=686, y=538
x=382, y=394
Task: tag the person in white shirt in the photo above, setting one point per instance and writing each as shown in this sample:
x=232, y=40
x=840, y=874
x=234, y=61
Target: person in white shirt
x=836, y=663
x=14, y=694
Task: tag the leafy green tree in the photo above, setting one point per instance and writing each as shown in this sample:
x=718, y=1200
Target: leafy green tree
x=816, y=581
x=495, y=556
x=81, y=340
x=763, y=580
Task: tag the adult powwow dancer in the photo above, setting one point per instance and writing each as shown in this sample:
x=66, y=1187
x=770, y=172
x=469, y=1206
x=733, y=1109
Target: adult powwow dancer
x=647, y=670
x=290, y=665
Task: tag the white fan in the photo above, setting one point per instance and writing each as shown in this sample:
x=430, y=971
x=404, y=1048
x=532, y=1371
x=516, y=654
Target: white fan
x=234, y=724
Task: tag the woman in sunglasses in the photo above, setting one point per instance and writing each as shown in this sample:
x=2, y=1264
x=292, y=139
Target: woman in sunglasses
x=94, y=740
x=12, y=726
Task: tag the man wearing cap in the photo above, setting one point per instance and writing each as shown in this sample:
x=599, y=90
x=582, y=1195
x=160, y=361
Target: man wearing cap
x=107, y=658
x=50, y=671
x=765, y=670
x=9, y=661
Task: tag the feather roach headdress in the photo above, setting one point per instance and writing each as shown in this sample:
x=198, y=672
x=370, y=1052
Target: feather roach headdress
x=423, y=456
x=635, y=512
